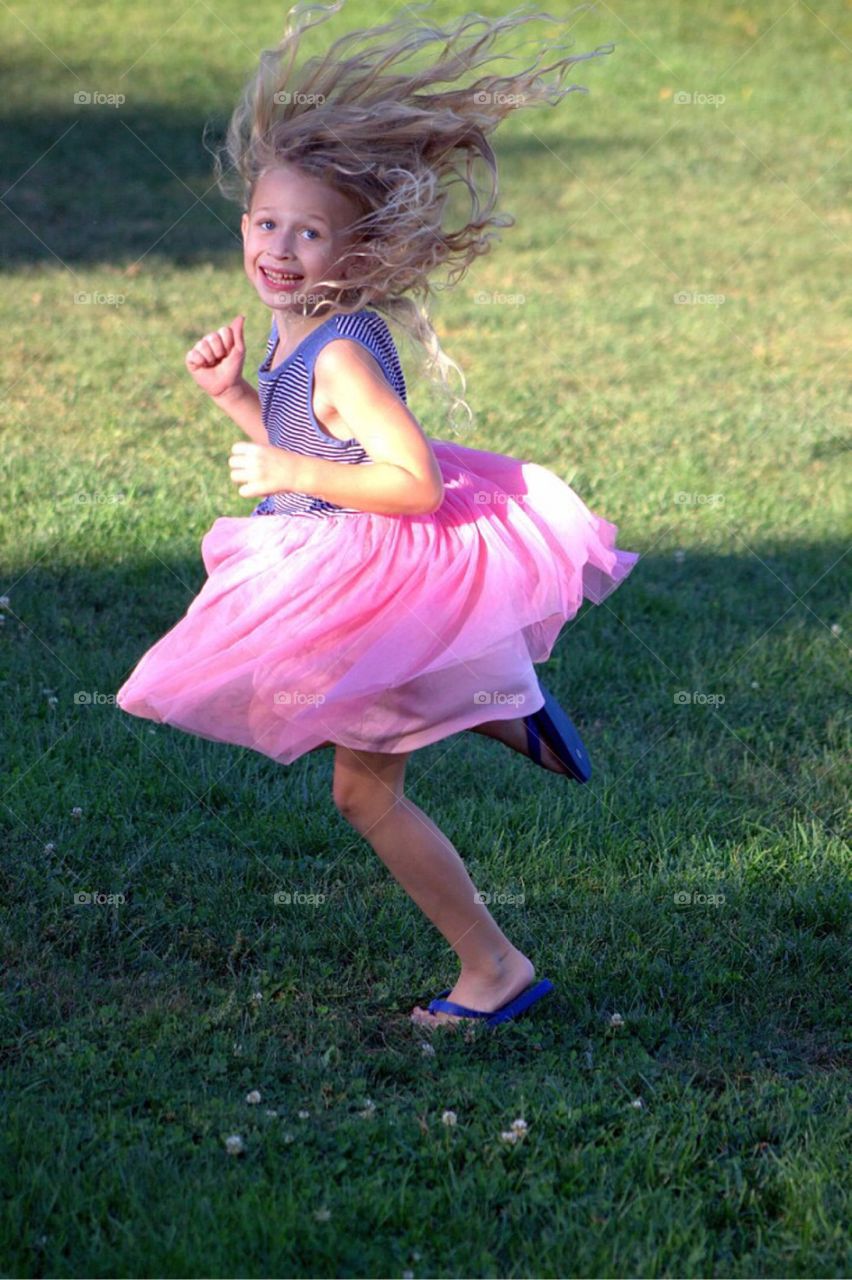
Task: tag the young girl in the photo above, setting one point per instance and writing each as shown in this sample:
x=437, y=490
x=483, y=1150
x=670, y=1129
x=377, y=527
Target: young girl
x=390, y=589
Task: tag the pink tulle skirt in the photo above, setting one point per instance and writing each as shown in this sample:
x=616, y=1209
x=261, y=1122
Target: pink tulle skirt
x=377, y=632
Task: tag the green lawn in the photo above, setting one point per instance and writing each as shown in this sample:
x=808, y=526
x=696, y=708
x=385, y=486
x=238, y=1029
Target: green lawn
x=678, y=358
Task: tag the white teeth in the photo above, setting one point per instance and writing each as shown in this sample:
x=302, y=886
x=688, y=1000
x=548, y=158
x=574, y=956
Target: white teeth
x=278, y=277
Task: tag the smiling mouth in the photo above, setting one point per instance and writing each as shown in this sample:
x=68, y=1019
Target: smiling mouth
x=279, y=279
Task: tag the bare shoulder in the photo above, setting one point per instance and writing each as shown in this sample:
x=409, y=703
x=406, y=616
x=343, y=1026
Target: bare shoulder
x=346, y=358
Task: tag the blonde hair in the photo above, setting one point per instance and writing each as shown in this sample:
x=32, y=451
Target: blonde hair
x=378, y=135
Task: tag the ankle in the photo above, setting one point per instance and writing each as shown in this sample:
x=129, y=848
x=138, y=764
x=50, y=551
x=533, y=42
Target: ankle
x=493, y=966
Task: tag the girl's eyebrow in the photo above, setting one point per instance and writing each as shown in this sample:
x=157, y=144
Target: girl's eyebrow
x=317, y=217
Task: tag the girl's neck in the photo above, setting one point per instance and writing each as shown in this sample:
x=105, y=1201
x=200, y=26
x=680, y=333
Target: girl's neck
x=292, y=329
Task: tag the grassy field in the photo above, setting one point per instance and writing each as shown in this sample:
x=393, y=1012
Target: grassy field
x=677, y=357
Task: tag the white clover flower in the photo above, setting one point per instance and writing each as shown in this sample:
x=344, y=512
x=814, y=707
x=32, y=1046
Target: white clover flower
x=76, y=812
x=253, y=1097
x=51, y=702
x=509, y=1135
x=49, y=848
x=303, y=1115
x=616, y=1020
x=449, y=1117
x=234, y=1145
x=427, y=1048
x=322, y=1214
x=369, y=1109
x=835, y=626
x=257, y=996
x=520, y=1126
x=4, y=602
x=637, y=1103
x=271, y=1114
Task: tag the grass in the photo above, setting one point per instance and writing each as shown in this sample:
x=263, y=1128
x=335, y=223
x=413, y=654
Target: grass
x=712, y=433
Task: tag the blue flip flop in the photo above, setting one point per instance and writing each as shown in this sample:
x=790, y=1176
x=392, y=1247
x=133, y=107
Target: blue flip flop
x=513, y=1009
x=551, y=724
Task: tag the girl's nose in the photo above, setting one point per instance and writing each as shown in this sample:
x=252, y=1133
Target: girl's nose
x=283, y=247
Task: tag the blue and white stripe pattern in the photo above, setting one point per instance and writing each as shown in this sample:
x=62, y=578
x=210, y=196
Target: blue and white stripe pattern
x=285, y=400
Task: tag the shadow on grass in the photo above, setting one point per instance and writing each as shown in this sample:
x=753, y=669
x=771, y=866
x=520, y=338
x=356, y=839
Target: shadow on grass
x=739, y=799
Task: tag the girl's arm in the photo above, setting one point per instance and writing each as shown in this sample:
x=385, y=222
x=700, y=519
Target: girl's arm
x=242, y=405
x=382, y=487
x=404, y=477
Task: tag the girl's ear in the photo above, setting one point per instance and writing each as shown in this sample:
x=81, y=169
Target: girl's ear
x=244, y=221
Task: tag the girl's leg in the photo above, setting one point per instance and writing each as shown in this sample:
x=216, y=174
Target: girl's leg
x=368, y=792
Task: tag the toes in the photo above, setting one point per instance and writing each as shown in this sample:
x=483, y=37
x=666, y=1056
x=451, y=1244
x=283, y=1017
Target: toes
x=426, y=1019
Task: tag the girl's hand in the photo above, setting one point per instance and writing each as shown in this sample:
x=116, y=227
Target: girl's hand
x=260, y=469
x=216, y=360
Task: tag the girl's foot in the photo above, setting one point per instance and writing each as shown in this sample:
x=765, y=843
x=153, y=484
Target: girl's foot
x=510, y=976
x=514, y=734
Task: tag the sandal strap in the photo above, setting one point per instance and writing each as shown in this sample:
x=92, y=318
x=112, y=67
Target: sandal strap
x=449, y=1006
x=533, y=738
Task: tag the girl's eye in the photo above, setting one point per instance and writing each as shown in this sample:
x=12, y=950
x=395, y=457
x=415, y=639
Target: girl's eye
x=269, y=222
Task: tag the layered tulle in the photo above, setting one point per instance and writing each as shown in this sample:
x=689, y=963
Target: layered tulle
x=381, y=633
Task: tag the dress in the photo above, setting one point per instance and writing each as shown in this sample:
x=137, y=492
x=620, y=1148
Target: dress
x=379, y=632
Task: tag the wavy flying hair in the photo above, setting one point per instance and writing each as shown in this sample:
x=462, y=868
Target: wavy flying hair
x=394, y=144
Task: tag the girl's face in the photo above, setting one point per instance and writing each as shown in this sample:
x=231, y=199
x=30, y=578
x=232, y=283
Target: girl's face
x=296, y=227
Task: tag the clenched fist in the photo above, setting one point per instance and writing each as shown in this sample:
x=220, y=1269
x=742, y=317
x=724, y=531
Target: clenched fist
x=216, y=360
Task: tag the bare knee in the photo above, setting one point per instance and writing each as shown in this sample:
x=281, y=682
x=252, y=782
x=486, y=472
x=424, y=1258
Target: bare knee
x=363, y=802
x=362, y=809
x=367, y=785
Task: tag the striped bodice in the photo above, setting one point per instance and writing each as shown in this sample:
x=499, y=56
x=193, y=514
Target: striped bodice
x=285, y=400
